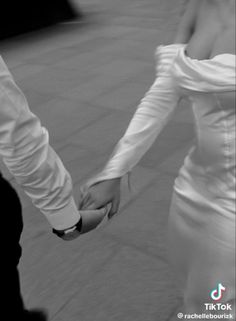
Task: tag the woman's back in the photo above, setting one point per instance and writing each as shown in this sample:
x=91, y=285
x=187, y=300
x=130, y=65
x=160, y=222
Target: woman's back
x=213, y=28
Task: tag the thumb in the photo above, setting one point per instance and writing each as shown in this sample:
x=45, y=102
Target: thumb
x=91, y=206
x=114, y=206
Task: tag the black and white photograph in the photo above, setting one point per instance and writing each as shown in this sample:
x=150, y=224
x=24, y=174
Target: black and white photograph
x=117, y=160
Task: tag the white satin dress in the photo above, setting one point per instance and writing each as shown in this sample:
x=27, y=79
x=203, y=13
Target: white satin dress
x=202, y=213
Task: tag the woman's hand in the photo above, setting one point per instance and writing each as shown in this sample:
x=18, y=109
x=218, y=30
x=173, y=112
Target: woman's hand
x=100, y=195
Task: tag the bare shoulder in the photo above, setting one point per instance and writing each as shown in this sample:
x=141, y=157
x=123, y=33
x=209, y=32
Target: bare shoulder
x=214, y=29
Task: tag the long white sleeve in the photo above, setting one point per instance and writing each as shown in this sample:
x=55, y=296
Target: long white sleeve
x=151, y=116
x=24, y=147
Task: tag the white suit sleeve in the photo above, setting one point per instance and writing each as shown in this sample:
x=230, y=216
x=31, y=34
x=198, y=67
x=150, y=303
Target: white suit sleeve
x=149, y=119
x=25, y=150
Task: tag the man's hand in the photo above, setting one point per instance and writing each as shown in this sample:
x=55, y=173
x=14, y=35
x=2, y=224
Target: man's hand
x=100, y=195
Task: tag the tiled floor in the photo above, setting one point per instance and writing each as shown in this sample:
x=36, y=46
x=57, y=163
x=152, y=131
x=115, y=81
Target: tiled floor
x=84, y=80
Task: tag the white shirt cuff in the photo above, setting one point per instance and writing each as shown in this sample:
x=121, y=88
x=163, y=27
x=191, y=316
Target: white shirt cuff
x=64, y=218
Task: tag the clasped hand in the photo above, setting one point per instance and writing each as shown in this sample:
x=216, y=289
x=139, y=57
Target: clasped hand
x=100, y=195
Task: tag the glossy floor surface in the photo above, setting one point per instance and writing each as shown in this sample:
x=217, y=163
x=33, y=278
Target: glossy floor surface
x=84, y=80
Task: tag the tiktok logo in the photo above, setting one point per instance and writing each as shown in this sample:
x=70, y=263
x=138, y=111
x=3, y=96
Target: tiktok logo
x=217, y=293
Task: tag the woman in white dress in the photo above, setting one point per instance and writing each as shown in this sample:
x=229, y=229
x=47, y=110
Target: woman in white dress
x=200, y=65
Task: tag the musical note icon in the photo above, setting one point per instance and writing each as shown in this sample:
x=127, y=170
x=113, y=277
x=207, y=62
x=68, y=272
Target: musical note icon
x=217, y=293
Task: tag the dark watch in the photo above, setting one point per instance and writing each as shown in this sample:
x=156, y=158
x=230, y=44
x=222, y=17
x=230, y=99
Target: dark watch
x=69, y=233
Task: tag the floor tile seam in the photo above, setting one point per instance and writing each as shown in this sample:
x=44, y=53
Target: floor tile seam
x=108, y=113
x=83, y=127
x=150, y=254
x=127, y=204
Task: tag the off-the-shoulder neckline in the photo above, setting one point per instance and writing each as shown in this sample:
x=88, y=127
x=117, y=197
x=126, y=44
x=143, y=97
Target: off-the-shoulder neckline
x=216, y=57
x=181, y=47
